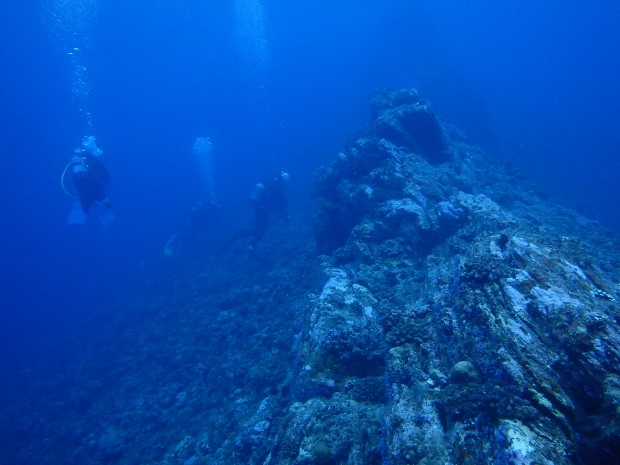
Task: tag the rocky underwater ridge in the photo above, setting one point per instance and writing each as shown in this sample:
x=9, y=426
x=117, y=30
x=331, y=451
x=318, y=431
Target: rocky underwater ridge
x=464, y=318
x=438, y=312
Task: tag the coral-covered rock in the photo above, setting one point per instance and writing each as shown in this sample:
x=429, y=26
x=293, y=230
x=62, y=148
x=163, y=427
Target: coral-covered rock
x=497, y=308
x=465, y=372
x=403, y=118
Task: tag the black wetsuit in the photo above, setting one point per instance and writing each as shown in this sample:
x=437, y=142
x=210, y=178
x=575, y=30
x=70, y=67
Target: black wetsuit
x=204, y=214
x=266, y=202
x=91, y=179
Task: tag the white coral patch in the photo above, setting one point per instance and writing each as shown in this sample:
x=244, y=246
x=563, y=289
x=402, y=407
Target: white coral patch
x=518, y=300
x=337, y=284
x=519, y=331
x=570, y=268
x=554, y=297
x=520, y=438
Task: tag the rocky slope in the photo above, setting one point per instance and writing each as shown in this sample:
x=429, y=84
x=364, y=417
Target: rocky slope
x=439, y=312
x=464, y=319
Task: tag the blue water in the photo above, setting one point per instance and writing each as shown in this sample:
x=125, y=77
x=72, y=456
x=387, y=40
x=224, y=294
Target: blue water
x=274, y=84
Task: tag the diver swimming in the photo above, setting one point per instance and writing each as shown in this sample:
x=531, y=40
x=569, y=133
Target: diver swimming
x=90, y=179
x=205, y=212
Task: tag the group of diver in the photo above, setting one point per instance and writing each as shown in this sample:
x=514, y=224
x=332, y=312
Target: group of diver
x=90, y=179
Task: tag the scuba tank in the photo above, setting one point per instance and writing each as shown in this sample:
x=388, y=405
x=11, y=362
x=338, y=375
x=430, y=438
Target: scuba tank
x=77, y=165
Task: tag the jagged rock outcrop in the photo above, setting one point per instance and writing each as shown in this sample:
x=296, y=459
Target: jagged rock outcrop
x=483, y=318
x=405, y=119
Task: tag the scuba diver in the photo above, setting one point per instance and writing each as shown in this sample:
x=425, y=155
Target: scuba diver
x=204, y=213
x=90, y=180
x=266, y=199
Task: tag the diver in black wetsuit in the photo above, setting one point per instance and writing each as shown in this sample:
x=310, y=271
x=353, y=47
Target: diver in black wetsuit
x=205, y=213
x=266, y=199
x=203, y=216
x=90, y=179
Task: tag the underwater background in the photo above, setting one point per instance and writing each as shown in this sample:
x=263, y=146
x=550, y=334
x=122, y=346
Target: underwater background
x=275, y=85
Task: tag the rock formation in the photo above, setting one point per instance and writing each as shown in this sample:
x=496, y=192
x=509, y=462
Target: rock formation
x=487, y=315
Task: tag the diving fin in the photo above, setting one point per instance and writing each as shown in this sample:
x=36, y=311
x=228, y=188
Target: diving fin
x=170, y=247
x=76, y=214
x=106, y=216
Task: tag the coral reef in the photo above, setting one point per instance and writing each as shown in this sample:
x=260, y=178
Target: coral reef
x=448, y=315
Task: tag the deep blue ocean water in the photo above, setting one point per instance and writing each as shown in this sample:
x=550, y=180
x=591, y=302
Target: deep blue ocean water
x=276, y=85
